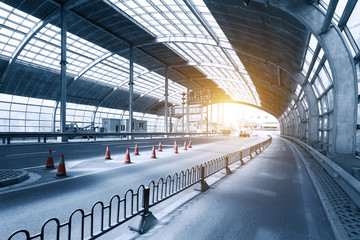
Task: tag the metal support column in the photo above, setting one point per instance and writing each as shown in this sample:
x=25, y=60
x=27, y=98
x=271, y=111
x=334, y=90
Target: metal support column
x=218, y=117
x=131, y=90
x=187, y=106
x=166, y=99
x=63, y=73
x=211, y=112
x=329, y=15
x=201, y=117
x=207, y=118
x=183, y=113
x=222, y=114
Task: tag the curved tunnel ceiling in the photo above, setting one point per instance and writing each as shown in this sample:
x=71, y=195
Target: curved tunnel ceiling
x=268, y=45
x=267, y=40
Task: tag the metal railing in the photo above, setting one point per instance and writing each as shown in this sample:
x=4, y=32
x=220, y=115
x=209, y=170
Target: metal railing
x=134, y=203
x=347, y=182
x=7, y=137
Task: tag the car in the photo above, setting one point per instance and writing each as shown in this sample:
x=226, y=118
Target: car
x=244, y=134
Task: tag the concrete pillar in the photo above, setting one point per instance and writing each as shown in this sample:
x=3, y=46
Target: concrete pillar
x=313, y=124
x=302, y=124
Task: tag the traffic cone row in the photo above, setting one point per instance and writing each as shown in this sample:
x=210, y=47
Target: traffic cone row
x=175, y=148
x=136, y=152
x=160, y=147
x=127, y=156
x=61, y=171
x=50, y=160
x=153, y=154
x=107, y=153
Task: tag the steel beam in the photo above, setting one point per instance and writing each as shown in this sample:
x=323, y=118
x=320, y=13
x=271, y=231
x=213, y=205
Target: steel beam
x=346, y=14
x=313, y=61
x=329, y=15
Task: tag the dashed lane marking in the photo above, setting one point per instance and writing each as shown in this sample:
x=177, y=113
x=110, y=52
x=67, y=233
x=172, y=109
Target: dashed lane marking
x=32, y=153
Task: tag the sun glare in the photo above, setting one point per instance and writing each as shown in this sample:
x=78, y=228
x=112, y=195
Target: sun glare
x=241, y=117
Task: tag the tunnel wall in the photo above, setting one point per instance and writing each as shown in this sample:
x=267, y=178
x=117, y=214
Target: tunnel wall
x=333, y=130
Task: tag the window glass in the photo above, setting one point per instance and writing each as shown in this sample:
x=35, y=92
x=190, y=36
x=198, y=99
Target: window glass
x=324, y=78
x=354, y=23
x=330, y=97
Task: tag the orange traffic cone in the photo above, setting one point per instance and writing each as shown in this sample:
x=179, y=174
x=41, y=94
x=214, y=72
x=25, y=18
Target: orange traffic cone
x=50, y=160
x=127, y=156
x=61, y=171
x=175, y=148
x=153, y=154
x=185, y=147
x=107, y=153
x=136, y=152
x=160, y=147
x=190, y=144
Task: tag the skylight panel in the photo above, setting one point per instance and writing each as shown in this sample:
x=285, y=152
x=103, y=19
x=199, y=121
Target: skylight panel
x=13, y=24
x=174, y=18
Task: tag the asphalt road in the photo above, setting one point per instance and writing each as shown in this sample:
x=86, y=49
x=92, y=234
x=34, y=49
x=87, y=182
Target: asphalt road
x=29, y=206
x=269, y=198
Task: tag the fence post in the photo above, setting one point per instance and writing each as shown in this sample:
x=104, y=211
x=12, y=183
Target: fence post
x=202, y=185
x=146, y=219
x=241, y=159
x=228, y=171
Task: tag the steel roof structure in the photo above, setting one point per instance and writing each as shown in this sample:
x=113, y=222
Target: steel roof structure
x=293, y=59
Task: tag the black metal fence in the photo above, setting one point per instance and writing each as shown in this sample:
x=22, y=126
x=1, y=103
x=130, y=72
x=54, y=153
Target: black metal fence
x=103, y=218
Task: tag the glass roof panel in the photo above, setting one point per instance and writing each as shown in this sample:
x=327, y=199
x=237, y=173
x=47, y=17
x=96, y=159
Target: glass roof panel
x=14, y=24
x=164, y=18
x=44, y=50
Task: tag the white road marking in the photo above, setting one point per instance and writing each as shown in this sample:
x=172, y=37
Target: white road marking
x=20, y=154
x=70, y=165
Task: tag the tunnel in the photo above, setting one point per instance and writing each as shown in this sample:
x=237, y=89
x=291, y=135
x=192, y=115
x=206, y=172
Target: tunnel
x=81, y=76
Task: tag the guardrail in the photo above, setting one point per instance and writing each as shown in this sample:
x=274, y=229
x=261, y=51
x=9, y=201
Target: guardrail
x=7, y=137
x=137, y=203
x=347, y=182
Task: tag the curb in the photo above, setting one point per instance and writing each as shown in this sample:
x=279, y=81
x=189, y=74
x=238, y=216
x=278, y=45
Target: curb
x=12, y=176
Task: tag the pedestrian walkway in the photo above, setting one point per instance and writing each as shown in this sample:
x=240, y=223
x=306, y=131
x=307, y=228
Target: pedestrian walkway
x=271, y=197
